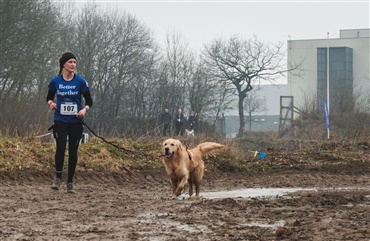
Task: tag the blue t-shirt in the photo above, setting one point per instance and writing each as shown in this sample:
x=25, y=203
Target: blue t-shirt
x=68, y=97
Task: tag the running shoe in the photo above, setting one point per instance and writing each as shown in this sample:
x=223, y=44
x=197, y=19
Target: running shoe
x=70, y=188
x=56, y=184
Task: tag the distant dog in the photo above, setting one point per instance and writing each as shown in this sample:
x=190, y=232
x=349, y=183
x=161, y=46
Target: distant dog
x=189, y=133
x=183, y=165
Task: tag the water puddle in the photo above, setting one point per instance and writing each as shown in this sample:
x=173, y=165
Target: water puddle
x=262, y=224
x=266, y=192
x=254, y=192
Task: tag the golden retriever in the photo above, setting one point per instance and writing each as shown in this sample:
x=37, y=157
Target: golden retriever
x=183, y=165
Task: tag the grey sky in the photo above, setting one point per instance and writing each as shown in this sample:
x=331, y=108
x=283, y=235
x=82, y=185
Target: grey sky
x=200, y=22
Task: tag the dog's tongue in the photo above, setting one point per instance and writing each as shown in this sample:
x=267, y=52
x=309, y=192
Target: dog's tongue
x=161, y=155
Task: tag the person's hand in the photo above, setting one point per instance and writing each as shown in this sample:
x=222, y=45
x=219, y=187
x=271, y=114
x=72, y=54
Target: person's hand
x=52, y=105
x=82, y=113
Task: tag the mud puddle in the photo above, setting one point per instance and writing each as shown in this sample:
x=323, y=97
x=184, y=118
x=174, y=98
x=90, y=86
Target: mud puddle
x=267, y=192
x=254, y=192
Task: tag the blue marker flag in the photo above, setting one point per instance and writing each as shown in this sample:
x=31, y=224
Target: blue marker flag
x=262, y=155
x=326, y=114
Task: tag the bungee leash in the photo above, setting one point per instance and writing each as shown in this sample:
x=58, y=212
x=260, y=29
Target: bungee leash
x=117, y=146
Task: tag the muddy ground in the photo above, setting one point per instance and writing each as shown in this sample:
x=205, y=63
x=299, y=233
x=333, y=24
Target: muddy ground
x=119, y=206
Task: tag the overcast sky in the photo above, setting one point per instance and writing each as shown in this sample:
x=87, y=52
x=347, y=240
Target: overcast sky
x=200, y=22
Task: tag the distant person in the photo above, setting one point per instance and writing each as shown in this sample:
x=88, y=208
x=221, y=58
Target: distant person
x=192, y=120
x=179, y=122
x=68, y=111
x=166, y=121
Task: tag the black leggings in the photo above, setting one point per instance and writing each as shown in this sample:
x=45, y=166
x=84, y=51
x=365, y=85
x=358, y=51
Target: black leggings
x=61, y=131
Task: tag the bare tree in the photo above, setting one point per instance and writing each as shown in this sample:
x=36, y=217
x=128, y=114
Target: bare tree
x=177, y=70
x=24, y=57
x=201, y=89
x=134, y=39
x=113, y=57
x=143, y=88
x=206, y=96
x=89, y=34
x=252, y=106
x=243, y=63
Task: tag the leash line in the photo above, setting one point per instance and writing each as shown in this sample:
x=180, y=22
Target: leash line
x=117, y=146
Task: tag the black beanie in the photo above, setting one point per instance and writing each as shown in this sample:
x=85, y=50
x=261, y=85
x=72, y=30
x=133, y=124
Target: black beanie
x=65, y=57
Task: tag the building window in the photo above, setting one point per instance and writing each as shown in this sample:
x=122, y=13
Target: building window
x=340, y=77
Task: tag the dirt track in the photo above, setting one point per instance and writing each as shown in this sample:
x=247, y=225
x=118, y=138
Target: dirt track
x=122, y=207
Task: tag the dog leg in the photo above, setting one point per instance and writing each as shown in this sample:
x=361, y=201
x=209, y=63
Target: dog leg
x=198, y=179
x=174, y=183
x=180, y=187
x=197, y=188
x=190, y=188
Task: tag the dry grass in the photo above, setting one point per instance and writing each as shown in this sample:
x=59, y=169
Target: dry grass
x=34, y=154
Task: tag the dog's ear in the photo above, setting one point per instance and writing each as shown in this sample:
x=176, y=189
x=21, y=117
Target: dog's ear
x=179, y=145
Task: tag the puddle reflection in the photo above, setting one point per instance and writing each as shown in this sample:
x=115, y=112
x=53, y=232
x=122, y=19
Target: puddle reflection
x=271, y=192
x=253, y=192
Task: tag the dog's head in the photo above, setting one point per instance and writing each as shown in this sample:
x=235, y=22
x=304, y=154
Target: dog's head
x=170, y=147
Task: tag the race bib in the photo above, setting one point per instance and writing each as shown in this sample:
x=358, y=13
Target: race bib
x=68, y=108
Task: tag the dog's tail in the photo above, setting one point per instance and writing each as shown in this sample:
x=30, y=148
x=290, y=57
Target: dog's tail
x=209, y=146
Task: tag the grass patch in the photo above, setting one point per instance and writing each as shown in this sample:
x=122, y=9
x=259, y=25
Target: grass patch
x=24, y=153
x=38, y=155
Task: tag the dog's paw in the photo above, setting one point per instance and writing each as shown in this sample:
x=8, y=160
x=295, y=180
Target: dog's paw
x=195, y=197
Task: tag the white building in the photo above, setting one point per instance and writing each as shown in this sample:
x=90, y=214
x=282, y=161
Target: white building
x=268, y=95
x=265, y=120
x=349, y=68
